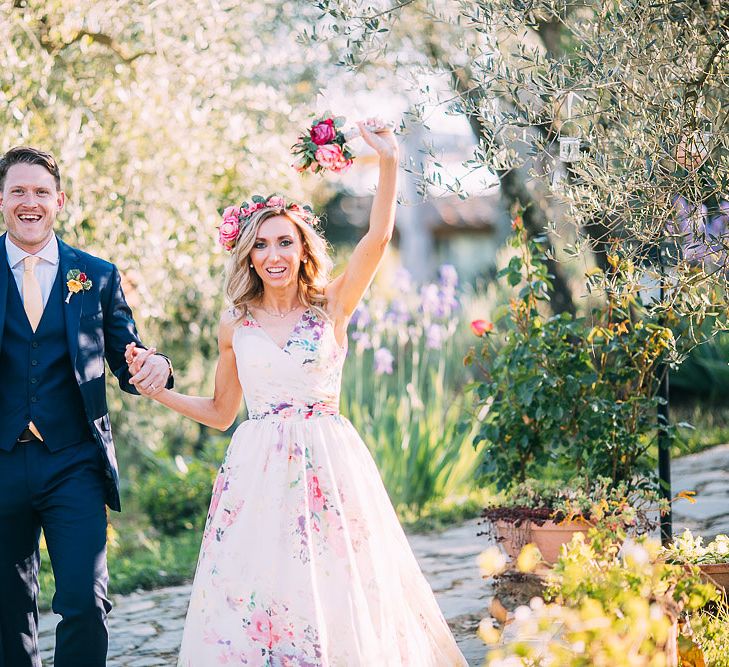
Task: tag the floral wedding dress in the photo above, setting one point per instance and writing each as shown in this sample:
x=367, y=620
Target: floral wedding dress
x=303, y=562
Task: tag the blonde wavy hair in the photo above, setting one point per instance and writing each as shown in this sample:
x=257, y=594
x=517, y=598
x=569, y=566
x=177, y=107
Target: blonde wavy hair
x=244, y=286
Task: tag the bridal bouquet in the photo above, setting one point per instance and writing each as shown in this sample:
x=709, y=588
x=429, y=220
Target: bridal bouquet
x=323, y=146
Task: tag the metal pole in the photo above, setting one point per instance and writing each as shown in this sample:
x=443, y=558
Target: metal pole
x=664, y=457
x=664, y=440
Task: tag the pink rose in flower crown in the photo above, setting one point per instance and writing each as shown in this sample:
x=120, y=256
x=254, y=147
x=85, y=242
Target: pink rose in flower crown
x=323, y=132
x=228, y=231
x=276, y=202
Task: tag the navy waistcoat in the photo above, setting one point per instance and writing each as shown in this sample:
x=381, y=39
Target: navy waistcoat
x=37, y=381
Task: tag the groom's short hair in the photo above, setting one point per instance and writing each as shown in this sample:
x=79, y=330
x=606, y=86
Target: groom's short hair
x=28, y=155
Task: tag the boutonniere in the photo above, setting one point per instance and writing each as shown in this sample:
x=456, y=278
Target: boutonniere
x=76, y=281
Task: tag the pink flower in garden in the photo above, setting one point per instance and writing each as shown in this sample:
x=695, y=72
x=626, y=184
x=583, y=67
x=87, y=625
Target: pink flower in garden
x=228, y=231
x=316, y=497
x=481, y=327
x=323, y=132
x=383, y=361
x=261, y=629
x=330, y=156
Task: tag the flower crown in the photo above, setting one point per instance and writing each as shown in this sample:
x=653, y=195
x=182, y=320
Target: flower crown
x=235, y=218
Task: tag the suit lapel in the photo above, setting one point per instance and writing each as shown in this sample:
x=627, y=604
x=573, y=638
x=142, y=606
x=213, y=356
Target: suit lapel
x=68, y=259
x=4, y=274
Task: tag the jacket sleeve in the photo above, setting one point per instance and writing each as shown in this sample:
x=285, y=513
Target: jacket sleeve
x=119, y=331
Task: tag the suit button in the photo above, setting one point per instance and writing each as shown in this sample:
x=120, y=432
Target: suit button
x=34, y=362
x=35, y=344
x=33, y=399
x=33, y=380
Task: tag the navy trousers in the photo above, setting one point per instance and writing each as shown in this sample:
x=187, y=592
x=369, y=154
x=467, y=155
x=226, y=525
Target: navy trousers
x=61, y=493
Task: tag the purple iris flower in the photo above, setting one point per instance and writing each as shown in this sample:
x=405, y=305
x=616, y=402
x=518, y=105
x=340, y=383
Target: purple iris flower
x=383, y=361
x=434, y=337
x=448, y=275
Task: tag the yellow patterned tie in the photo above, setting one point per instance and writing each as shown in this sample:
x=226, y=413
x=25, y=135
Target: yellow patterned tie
x=33, y=303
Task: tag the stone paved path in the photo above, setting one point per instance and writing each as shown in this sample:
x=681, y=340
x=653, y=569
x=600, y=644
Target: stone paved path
x=146, y=627
x=706, y=473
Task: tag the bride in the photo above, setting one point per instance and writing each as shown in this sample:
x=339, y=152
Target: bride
x=303, y=562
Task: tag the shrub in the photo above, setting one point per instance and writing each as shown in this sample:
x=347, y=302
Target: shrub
x=567, y=396
x=176, y=498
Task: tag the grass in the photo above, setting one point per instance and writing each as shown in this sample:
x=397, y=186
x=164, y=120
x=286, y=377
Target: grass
x=136, y=559
x=710, y=427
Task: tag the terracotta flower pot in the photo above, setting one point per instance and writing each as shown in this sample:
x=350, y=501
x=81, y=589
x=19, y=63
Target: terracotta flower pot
x=550, y=536
x=513, y=537
x=717, y=573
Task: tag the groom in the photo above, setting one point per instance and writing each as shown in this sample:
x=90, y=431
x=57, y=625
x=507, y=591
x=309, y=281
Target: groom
x=62, y=312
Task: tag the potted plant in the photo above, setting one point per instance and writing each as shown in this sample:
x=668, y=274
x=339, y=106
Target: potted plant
x=566, y=397
x=549, y=513
x=712, y=559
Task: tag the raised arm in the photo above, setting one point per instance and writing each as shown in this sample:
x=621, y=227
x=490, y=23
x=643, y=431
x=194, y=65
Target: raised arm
x=220, y=410
x=345, y=292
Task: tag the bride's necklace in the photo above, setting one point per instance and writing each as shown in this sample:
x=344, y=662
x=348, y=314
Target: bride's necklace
x=280, y=314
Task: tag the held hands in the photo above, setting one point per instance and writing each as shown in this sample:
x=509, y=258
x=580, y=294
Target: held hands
x=383, y=141
x=149, y=370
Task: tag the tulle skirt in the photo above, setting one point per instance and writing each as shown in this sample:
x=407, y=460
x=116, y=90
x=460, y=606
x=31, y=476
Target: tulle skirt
x=303, y=561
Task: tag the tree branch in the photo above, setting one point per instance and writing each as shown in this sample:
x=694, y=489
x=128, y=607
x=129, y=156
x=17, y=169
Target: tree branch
x=99, y=38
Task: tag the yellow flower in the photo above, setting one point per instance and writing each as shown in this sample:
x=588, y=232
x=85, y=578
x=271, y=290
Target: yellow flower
x=488, y=633
x=74, y=286
x=492, y=562
x=529, y=558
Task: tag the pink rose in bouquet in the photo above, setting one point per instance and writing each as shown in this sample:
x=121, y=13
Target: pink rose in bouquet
x=228, y=231
x=330, y=156
x=323, y=146
x=323, y=132
x=301, y=164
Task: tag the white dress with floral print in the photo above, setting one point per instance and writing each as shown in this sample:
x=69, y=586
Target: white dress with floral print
x=303, y=561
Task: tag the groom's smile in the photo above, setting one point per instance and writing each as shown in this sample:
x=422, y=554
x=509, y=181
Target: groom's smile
x=30, y=202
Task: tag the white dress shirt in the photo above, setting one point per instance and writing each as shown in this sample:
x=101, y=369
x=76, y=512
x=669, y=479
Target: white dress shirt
x=45, y=271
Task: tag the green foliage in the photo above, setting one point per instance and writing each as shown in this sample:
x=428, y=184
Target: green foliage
x=612, y=602
x=641, y=85
x=177, y=500
x=710, y=631
x=704, y=373
x=565, y=394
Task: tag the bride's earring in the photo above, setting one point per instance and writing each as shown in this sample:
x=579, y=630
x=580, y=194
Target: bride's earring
x=304, y=260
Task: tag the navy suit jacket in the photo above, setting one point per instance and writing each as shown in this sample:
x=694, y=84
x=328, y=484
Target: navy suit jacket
x=99, y=325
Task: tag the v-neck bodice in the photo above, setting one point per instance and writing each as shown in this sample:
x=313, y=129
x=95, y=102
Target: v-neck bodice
x=300, y=380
